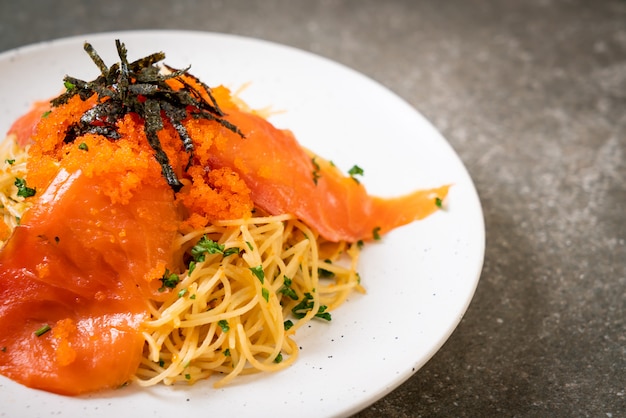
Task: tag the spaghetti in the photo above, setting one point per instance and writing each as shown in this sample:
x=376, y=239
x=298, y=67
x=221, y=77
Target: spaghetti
x=232, y=312
x=12, y=167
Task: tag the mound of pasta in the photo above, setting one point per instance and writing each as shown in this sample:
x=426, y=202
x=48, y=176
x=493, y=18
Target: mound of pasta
x=155, y=230
x=237, y=309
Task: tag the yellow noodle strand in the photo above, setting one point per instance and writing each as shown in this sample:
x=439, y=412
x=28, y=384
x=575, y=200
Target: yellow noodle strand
x=235, y=323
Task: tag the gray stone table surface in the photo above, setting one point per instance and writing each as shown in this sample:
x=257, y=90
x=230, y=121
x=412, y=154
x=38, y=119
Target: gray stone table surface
x=532, y=96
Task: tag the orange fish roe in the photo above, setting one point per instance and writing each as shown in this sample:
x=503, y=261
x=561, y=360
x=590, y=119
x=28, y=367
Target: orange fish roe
x=47, y=141
x=50, y=131
x=121, y=166
x=61, y=332
x=216, y=194
x=200, y=128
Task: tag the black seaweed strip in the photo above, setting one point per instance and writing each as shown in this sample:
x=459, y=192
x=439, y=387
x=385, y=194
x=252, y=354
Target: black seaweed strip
x=104, y=70
x=140, y=87
x=154, y=123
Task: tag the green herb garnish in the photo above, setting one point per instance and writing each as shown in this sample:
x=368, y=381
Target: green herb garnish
x=355, y=171
x=41, y=331
x=208, y=246
x=168, y=280
x=286, y=289
x=302, y=308
x=223, y=324
x=258, y=272
x=316, y=170
x=316, y=177
x=323, y=273
x=22, y=189
x=191, y=268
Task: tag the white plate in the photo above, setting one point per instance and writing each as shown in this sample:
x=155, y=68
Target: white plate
x=420, y=278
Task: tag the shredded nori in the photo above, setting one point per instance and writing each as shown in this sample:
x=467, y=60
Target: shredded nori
x=140, y=87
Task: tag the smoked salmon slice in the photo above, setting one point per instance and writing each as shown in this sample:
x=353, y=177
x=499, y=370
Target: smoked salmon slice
x=74, y=284
x=286, y=178
x=24, y=127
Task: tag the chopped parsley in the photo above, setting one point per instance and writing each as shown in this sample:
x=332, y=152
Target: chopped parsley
x=355, y=171
x=376, y=233
x=83, y=146
x=438, y=202
x=278, y=358
x=168, y=280
x=223, y=324
x=9, y=161
x=316, y=177
x=288, y=324
x=301, y=309
x=266, y=294
x=258, y=272
x=286, y=289
x=192, y=267
x=323, y=273
x=316, y=170
x=208, y=246
x=41, y=331
x=22, y=189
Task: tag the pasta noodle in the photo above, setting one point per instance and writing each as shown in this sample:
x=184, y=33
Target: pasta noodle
x=12, y=166
x=234, y=313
